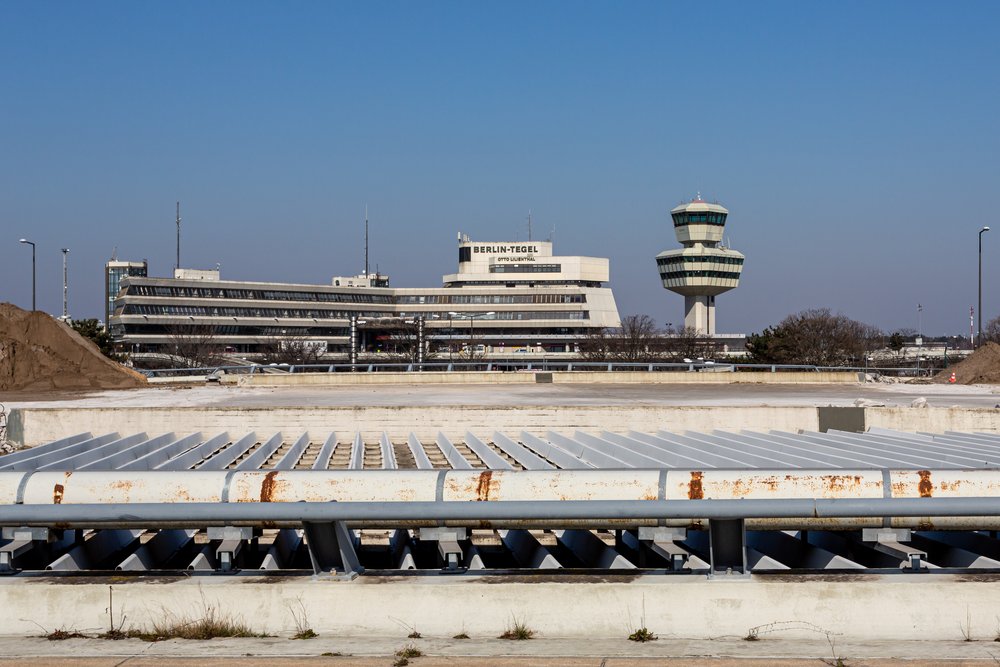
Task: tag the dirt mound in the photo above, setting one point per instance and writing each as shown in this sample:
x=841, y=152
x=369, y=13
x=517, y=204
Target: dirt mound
x=980, y=367
x=38, y=353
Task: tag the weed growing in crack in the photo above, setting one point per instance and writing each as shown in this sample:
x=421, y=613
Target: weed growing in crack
x=517, y=630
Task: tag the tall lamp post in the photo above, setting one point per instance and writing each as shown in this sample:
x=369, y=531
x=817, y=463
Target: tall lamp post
x=979, y=338
x=32, y=244
x=471, y=317
x=65, y=252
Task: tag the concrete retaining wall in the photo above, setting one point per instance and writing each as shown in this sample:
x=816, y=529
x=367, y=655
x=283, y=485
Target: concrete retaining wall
x=867, y=607
x=556, y=377
x=34, y=426
x=933, y=420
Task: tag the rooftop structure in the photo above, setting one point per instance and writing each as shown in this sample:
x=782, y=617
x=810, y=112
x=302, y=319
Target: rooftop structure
x=522, y=263
x=704, y=267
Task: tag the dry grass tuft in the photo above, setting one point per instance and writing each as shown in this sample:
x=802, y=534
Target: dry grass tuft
x=517, y=630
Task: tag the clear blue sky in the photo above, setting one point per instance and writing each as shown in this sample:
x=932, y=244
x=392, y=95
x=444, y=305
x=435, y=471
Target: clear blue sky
x=856, y=144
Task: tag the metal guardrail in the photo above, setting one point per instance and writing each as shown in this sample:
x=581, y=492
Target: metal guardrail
x=498, y=514
x=524, y=365
x=332, y=544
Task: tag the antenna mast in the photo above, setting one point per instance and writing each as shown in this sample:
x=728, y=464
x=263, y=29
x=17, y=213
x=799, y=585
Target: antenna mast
x=178, y=236
x=366, y=240
x=529, y=224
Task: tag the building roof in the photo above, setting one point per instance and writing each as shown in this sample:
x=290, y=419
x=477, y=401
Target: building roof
x=698, y=205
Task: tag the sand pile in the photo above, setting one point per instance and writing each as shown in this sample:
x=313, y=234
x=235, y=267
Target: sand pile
x=980, y=367
x=39, y=353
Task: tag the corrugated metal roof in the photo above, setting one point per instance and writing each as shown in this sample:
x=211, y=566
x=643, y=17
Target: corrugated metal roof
x=746, y=450
x=505, y=550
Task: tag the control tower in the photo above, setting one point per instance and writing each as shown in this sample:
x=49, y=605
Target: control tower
x=704, y=267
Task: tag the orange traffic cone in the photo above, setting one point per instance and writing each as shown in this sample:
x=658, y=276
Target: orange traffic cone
x=952, y=378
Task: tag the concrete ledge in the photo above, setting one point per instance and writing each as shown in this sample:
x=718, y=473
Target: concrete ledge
x=934, y=420
x=40, y=425
x=901, y=607
x=29, y=427
x=529, y=377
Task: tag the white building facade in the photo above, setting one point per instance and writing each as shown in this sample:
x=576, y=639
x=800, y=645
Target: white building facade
x=505, y=298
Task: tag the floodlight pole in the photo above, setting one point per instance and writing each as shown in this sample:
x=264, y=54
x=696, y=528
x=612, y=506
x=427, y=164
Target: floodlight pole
x=32, y=244
x=471, y=317
x=979, y=338
x=65, y=252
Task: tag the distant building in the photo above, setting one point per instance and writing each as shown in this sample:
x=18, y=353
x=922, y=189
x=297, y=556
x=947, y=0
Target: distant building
x=197, y=274
x=114, y=272
x=704, y=267
x=362, y=280
x=506, y=297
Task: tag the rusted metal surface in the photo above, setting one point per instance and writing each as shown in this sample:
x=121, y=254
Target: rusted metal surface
x=695, y=489
x=505, y=485
x=487, y=485
x=114, y=487
x=289, y=486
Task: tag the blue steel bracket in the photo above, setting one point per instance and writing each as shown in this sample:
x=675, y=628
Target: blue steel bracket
x=892, y=541
x=664, y=542
x=21, y=541
x=448, y=546
x=331, y=549
x=232, y=539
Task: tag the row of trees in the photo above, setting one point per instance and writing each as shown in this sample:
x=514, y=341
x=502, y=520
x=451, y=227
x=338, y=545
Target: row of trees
x=816, y=337
x=639, y=340
x=812, y=337
x=823, y=338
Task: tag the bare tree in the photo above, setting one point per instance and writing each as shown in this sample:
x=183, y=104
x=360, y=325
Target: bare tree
x=404, y=341
x=194, y=345
x=688, y=343
x=991, y=331
x=636, y=340
x=291, y=349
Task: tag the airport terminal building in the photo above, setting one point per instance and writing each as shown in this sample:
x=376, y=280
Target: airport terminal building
x=510, y=297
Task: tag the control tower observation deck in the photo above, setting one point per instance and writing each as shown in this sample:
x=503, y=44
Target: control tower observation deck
x=704, y=267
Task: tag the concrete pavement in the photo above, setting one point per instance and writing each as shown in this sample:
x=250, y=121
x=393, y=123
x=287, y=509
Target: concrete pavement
x=978, y=396
x=380, y=652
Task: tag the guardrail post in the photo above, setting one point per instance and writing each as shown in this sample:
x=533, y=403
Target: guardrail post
x=331, y=546
x=727, y=546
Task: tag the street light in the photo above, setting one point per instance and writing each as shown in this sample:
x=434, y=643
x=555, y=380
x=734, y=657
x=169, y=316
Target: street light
x=32, y=244
x=979, y=339
x=472, y=317
x=65, y=317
